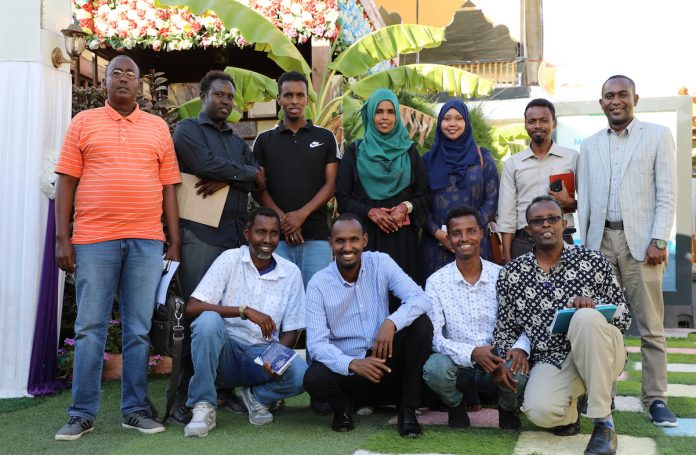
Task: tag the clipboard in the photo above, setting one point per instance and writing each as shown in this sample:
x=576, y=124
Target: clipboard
x=194, y=207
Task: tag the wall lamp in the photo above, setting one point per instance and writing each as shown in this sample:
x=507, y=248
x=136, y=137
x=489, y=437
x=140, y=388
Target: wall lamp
x=74, y=43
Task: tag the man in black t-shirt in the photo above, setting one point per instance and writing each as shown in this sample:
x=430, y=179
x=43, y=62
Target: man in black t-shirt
x=300, y=161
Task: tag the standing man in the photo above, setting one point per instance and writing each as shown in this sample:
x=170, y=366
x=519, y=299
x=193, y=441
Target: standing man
x=464, y=311
x=247, y=296
x=300, y=161
x=526, y=176
x=119, y=167
x=360, y=352
x=628, y=187
x=590, y=356
x=208, y=148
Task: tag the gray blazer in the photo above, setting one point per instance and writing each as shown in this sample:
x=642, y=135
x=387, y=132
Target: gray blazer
x=648, y=187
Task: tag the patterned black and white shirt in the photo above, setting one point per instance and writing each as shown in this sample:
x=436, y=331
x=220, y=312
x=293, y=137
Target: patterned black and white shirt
x=529, y=297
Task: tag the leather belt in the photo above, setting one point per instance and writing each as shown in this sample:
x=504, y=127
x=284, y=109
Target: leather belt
x=614, y=225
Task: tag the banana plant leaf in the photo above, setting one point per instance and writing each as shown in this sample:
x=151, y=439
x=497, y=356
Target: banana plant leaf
x=425, y=78
x=253, y=27
x=385, y=44
x=193, y=107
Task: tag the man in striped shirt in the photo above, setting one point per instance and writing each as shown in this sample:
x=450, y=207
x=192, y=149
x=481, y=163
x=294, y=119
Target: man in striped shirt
x=360, y=352
x=118, y=166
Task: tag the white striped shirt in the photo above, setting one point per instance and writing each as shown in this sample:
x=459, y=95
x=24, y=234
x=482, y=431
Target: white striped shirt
x=343, y=318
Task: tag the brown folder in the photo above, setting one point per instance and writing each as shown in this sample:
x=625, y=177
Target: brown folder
x=194, y=207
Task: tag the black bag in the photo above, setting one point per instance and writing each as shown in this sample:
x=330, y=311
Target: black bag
x=167, y=328
x=167, y=336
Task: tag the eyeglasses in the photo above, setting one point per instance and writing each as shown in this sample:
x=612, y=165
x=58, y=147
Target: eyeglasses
x=538, y=222
x=129, y=74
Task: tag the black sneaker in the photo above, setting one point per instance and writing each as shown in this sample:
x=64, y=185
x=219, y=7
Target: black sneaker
x=457, y=416
x=143, y=422
x=660, y=415
x=508, y=420
x=74, y=428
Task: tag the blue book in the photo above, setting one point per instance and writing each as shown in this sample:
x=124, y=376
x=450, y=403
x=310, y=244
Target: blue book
x=278, y=356
x=561, y=321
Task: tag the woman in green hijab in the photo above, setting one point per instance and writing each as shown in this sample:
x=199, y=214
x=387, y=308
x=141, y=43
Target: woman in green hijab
x=383, y=180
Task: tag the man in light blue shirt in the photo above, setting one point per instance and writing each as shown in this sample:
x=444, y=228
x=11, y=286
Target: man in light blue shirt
x=360, y=352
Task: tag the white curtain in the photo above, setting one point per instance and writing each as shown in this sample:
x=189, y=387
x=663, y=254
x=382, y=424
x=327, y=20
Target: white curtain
x=35, y=104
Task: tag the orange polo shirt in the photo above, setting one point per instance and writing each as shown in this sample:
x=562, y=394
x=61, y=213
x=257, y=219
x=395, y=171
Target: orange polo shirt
x=122, y=164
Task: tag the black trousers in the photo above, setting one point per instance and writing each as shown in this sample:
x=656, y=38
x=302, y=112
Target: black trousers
x=411, y=348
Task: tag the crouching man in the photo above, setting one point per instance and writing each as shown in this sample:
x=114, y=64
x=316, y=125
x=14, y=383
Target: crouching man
x=360, y=352
x=585, y=360
x=463, y=314
x=245, y=299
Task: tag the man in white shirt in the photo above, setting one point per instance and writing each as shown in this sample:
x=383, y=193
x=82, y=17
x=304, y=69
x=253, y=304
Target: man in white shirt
x=464, y=312
x=246, y=298
x=526, y=175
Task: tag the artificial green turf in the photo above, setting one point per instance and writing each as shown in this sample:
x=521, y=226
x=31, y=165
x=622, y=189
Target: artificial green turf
x=687, y=342
x=671, y=358
x=15, y=404
x=441, y=439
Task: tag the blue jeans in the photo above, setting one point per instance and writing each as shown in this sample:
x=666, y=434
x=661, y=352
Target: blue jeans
x=219, y=360
x=310, y=256
x=133, y=267
x=447, y=379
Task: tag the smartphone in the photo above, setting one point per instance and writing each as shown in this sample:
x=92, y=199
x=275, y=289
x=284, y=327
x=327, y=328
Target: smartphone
x=556, y=185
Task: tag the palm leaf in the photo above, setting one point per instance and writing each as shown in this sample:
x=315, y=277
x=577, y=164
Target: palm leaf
x=385, y=44
x=425, y=78
x=253, y=27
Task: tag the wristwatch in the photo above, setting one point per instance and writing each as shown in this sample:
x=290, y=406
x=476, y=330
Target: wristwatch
x=241, y=312
x=659, y=244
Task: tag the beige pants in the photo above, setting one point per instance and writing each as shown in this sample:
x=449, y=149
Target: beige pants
x=643, y=284
x=596, y=359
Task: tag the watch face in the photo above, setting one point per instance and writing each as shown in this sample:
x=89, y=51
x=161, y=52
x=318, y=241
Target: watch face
x=660, y=244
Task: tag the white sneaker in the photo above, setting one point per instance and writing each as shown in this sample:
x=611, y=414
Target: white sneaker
x=365, y=411
x=203, y=420
x=258, y=413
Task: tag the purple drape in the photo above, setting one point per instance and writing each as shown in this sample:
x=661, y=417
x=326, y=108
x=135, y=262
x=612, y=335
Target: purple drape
x=42, y=370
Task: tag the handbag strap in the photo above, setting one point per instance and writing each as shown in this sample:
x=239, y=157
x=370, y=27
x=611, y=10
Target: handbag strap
x=177, y=345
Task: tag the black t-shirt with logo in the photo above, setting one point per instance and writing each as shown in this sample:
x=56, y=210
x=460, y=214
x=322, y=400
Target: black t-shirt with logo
x=295, y=165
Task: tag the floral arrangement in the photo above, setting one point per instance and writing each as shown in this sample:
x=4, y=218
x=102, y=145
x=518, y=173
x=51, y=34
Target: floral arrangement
x=66, y=353
x=130, y=23
x=354, y=23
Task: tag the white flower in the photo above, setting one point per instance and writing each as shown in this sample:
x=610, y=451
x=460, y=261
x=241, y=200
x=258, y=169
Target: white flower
x=94, y=44
x=331, y=16
x=48, y=177
x=296, y=9
x=82, y=14
x=128, y=43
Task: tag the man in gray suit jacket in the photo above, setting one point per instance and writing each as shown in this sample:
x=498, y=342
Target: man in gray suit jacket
x=626, y=205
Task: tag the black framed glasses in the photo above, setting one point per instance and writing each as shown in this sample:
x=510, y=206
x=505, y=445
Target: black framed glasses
x=129, y=74
x=538, y=222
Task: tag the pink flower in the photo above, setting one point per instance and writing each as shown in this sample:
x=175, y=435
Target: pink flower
x=69, y=342
x=106, y=356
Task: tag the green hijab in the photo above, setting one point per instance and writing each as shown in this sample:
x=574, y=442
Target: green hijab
x=384, y=167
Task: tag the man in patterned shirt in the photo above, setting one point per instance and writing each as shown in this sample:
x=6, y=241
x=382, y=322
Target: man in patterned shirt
x=564, y=366
x=246, y=298
x=464, y=312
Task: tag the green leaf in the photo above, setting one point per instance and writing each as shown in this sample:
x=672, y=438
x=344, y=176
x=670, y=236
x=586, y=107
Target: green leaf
x=251, y=87
x=353, y=127
x=253, y=27
x=193, y=107
x=385, y=44
x=425, y=78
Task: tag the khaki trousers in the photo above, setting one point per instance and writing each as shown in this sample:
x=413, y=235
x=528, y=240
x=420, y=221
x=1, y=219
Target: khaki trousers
x=596, y=359
x=643, y=285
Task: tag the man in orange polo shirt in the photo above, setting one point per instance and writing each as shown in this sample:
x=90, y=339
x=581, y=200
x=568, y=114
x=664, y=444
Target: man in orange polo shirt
x=118, y=166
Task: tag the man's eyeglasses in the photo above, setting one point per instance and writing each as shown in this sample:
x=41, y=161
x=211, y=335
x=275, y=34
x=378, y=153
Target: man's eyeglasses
x=129, y=74
x=538, y=222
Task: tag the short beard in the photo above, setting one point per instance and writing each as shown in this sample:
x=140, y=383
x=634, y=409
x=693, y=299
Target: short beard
x=538, y=140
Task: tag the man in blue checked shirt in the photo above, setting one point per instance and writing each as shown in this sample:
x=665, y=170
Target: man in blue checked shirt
x=360, y=352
